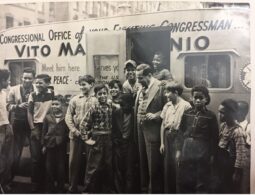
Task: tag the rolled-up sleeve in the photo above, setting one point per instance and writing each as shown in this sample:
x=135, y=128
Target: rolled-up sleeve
x=69, y=118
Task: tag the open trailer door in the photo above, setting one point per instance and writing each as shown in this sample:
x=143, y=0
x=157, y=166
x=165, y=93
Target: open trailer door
x=106, y=54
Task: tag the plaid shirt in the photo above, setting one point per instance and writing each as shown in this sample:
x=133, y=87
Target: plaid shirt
x=233, y=140
x=98, y=120
x=78, y=107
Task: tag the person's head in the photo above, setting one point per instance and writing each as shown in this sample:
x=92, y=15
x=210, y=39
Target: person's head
x=227, y=110
x=158, y=60
x=144, y=74
x=28, y=77
x=67, y=98
x=172, y=91
x=101, y=92
x=243, y=109
x=129, y=70
x=42, y=81
x=4, y=78
x=86, y=82
x=115, y=87
x=126, y=102
x=57, y=103
x=200, y=97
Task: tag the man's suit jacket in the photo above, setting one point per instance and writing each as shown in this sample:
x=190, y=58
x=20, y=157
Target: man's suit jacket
x=155, y=104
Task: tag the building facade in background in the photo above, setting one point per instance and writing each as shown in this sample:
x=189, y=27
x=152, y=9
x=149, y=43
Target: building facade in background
x=20, y=14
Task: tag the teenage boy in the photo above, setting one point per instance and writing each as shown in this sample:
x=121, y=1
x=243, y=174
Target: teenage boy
x=77, y=108
x=197, y=143
x=115, y=89
x=171, y=116
x=39, y=103
x=125, y=155
x=96, y=129
x=54, y=139
x=18, y=103
x=232, y=151
x=130, y=85
x=6, y=136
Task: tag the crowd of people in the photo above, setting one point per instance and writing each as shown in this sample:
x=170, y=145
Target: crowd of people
x=140, y=136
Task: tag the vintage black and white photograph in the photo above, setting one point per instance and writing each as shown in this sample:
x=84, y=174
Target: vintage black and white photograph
x=115, y=97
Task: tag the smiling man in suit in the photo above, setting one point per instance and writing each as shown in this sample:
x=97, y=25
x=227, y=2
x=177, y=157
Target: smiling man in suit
x=148, y=106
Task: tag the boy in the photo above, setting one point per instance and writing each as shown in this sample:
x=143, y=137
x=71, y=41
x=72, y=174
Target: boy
x=18, y=103
x=96, y=130
x=54, y=138
x=197, y=143
x=232, y=151
x=39, y=103
x=6, y=136
x=130, y=85
x=171, y=116
x=77, y=108
x=124, y=154
x=115, y=90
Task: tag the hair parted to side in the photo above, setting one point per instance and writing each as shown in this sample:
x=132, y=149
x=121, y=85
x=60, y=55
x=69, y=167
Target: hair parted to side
x=44, y=77
x=29, y=70
x=204, y=90
x=113, y=82
x=100, y=86
x=145, y=68
x=174, y=86
x=87, y=78
x=4, y=74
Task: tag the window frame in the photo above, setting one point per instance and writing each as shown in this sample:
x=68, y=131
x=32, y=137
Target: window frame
x=207, y=55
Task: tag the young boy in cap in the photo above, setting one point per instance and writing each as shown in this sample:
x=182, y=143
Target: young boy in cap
x=130, y=85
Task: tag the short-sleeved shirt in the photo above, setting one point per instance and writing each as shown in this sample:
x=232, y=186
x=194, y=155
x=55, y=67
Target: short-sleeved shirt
x=3, y=110
x=39, y=104
x=172, y=114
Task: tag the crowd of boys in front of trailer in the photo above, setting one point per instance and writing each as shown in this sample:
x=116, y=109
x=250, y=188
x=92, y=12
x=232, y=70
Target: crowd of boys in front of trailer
x=144, y=139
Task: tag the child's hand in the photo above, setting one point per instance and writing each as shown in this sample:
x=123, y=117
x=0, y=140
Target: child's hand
x=162, y=148
x=90, y=142
x=44, y=150
x=77, y=133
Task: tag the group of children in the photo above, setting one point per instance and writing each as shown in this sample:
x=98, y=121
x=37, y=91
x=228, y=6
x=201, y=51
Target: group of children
x=191, y=141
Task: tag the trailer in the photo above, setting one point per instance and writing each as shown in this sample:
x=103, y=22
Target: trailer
x=201, y=46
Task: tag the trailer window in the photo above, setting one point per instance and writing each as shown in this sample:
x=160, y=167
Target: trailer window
x=16, y=69
x=212, y=71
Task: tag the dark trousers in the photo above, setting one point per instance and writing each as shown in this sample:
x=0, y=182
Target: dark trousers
x=225, y=166
x=124, y=162
x=55, y=168
x=37, y=157
x=151, y=163
x=6, y=154
x=194, y=176
x=170, y=167
x=77, y=147
x=21, y=131
x=99, y=173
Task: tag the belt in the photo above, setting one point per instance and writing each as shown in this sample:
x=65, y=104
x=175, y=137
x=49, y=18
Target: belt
x=101, y=132
x=170, y=131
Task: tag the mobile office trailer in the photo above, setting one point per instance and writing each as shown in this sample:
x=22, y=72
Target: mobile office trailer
x=201, y=46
